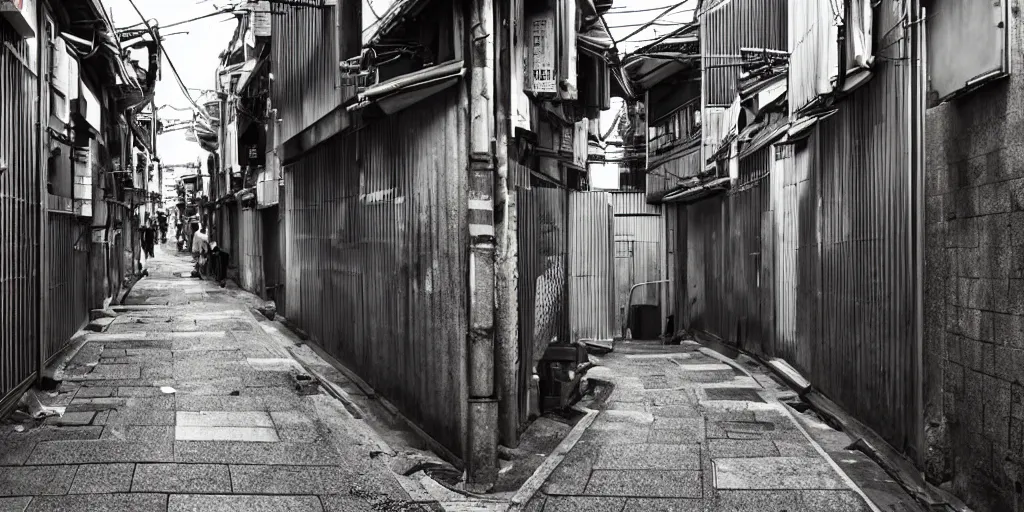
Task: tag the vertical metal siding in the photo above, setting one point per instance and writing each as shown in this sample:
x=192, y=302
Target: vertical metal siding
x=733, y=25
x=377, y=240
x=633, y=203
x=304, y=52
x=639, y=240
x=591, y=267
x=813, y=49
x=250, y=251
x=19, y=214
x=668, y=174
x=751, y=239
x=866, y=363
x=69, y=266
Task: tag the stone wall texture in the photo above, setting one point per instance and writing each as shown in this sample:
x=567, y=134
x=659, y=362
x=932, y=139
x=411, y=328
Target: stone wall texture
x=974, y=291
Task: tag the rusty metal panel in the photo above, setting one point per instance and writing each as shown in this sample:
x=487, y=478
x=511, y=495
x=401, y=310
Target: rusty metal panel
x=750, y=277
x=19, y=214
x=633, y=203
x=730, y=26
x=377, y=261
x=591, y=267
x=813, y=46
x=706, y=247
x=304, y=52
x=69, y=266
x=250, y=251
x=865, y=363
x=667, y=173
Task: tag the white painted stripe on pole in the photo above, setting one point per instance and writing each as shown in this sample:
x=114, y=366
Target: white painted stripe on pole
x=481, y=204
x=481, y=230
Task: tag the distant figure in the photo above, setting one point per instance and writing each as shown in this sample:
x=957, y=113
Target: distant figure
x=148, y=238
x=200, y=251
x=161, y=217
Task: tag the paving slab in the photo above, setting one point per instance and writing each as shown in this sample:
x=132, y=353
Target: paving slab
x=29, y=481
x=572, y=475
x=767, y=473
x=645, y=483
x=664, y=505
x=182, y=478
x=584, y=504
x=224, y=419
x=95, y=392
x=231, y=452
x=246, y=434
x=114, y=371
x=292, y=480
x=100, y=503
x=242, y=503
x=103, y=478
x=649, y=456
x=15, y=452
x=736, y=448
x=99, y=451
x=139, y=433
x=17, y=504
x=297, y=427
x=219, y=403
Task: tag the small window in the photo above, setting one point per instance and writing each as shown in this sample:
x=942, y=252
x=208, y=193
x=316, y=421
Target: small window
x=968, y=45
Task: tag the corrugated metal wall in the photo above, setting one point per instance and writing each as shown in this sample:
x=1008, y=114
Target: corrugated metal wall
x=377, y=259
x=543, y=271
x=273, y=254
x=841, y=283
x=730, y=26
x=639, y=238
x=591, y=266
x=250, y=251
x=19, y=214
x=867, y=274
x=69, y=278
x=667, y=173
x=813, y=49
x=304, y=50
x=752, y=239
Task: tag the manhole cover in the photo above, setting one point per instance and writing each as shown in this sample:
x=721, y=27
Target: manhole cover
x=734, y=394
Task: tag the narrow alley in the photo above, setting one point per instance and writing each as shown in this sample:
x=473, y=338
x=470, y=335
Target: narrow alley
x=186, y=403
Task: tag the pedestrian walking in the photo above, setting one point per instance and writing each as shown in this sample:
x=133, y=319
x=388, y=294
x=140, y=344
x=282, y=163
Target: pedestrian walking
x=200, y=251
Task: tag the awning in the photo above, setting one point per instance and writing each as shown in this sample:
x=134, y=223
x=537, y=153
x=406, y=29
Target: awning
x=699, y=192
x=404, y=91
x=801, y=128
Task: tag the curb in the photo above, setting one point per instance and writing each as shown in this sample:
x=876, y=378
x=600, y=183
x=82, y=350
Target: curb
x=533, y=484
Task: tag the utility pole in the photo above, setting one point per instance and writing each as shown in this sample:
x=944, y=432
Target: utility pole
x=482, y=439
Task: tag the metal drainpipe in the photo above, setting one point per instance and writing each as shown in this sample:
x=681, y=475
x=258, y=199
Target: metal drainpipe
x=482, y=414
x=41, y=149
x=918, y=49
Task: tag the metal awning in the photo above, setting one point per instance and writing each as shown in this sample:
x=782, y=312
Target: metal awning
x=404, y=91
x=699, y=192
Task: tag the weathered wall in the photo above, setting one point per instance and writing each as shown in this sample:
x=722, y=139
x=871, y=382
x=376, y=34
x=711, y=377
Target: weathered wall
x=19, y=214
x=250, y=251
x=377, y=261
x=974, y=337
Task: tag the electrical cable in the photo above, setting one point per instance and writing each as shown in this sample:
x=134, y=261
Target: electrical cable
x=174, y=70
x=656, y=18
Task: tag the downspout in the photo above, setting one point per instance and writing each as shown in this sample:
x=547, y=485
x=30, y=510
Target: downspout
x=506, y=301
x=917, y=120
x=42, y=121
x=482, y=415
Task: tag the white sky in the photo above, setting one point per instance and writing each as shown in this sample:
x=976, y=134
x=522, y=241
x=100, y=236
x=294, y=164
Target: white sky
x=194, y=54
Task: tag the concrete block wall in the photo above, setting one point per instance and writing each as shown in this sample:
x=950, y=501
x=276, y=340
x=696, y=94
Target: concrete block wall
x=974, y=292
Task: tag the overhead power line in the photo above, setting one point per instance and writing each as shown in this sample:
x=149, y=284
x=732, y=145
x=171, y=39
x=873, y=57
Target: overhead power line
x=163, y=50
x=226, y=10
x=656, y=18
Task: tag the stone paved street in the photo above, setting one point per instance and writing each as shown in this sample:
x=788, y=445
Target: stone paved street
x=683, y=431
x=186, y=402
